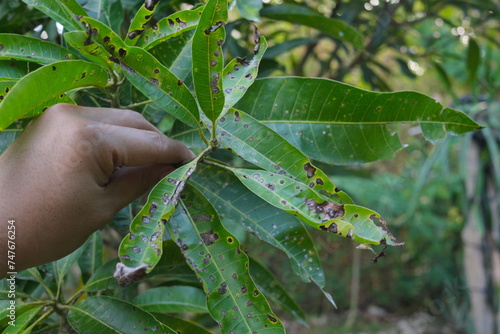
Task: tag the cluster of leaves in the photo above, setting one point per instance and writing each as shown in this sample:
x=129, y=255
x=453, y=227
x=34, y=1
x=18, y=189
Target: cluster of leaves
x=175, y=68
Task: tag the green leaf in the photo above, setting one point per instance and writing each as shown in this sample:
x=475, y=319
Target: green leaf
x=32, y=49
x=109, y=315
x=208, y=62
x=176, y=55
x=222, y=267
x=62, y=11
x=305, y=16
x=63, y=76
x=181, y=325
x=170, y=27
x=102, y=278
x=287, y=45
x=236, y=205
x=346, y=220
x=140, y=21
x=249, y=9
x=147, y=74
x=23, y=319
x=473, y=59
x=11, y=69
x=256, y=143
x=141, y=249
x=239, y=74
x=172, y=299
x=92, y=256
x=340, y=124
x=273, y=289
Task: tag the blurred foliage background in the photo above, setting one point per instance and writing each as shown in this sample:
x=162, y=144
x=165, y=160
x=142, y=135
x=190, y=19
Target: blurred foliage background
x=441, y=198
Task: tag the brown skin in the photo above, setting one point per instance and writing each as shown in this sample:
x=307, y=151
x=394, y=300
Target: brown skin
x=63, y=179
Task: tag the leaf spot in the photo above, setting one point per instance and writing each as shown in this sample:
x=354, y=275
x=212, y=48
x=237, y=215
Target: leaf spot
x=122, y=52
x=222, y=289
x=237, y=116
x=271, y=318
x=182, y=24
x=214, y=28
x=209, y=238
x=155, y=82
x=145, y=220
x=310, y=170
x=150, y=4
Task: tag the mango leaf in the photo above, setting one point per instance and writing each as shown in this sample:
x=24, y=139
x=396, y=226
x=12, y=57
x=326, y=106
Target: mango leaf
x=141, y=249
x=233, y=299
x=11, y=69
x=172, y=299
x=20, y=308
x=236, y=205
x=170, y=27
x=473, y=59
x=27, y=48
x=140, y=21
x=101, y=314
x=339, y=124
x=176, y=55
x=288, y=45
x=256, y=143
x=181, y=325
x=249, y=9
x=275, y=291
x=305, y=16
x=239, y=73
x=6, y=87
x=208, y=61
x=23, y=319
x=92, y=51
x=63, y=76
x=92, y=256
x=62, y=11
x=347, y=220
x=147, y=74
x=102, y=278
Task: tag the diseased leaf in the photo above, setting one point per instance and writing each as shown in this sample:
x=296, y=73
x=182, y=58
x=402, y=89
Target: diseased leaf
x=63, y=76
x=236, y=205
x=62, y=11
x=303, y=15
x=256, y=143
x=176, y=55
x=102, y=314
x=223, y=268
x=140, y=21
x=170, y=27
x=27, y=48
x=339, y=124
x=273, y=289
x=172, y=299
x=147, y=74
x=95, y=52
x=347, y=220
x=6, y=87
x=141, y=249
x=239, y=74
x=208, y=62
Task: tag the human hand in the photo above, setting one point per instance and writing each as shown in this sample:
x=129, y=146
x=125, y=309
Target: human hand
x=71, y=171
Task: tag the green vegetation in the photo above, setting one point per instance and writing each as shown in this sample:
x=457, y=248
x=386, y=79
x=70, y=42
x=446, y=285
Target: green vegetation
x=263, y=107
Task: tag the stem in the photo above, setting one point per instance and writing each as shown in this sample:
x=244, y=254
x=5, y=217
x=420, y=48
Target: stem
x=138, y=104
x=213, y=162
x=97, y=97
